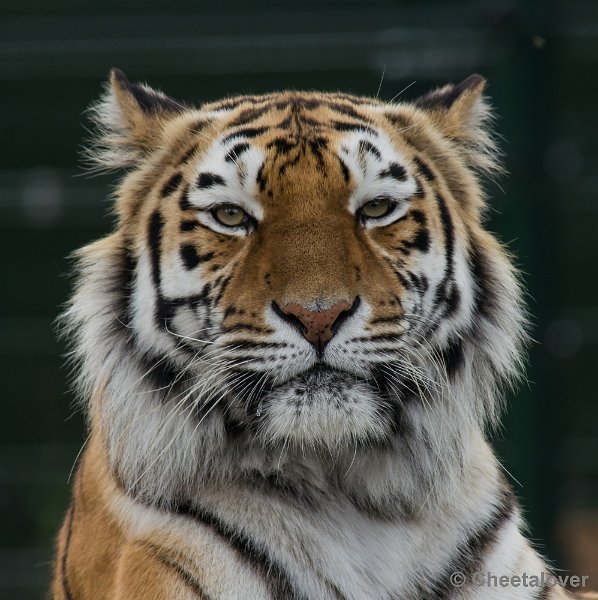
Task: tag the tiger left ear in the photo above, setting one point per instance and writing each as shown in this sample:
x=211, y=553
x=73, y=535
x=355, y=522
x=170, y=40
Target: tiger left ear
x=462, y=94
x=462, y=113
x=456, y=108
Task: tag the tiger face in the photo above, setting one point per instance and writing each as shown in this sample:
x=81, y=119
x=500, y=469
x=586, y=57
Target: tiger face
x=302, y=270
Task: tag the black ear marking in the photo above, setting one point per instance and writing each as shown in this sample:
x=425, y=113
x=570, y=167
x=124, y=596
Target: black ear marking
x=446, y=96
x=147, y=99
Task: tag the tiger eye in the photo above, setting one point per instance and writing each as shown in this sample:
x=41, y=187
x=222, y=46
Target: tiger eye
x=229, y=215
x=374, y=209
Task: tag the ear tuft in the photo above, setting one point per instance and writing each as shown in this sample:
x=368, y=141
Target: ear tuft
x=129, y=120
x=463, y=114
x=444, y=97
x=148, y=100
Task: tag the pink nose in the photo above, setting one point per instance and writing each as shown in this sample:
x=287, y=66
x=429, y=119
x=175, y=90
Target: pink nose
x=318, y=326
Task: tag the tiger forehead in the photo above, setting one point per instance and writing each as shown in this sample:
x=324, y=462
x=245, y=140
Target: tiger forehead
x=320, y=148
x=294, y=114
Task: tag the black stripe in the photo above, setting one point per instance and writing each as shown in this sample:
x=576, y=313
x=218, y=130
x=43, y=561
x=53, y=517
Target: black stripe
x=248, y=115
x=157, y=369
x=245, y=327
x=122, y=287
x=289, y=163
x=257, y=345
x=221, y=290
x=154, y=240
x=418, y=216
x=261, y=179
x=485, y=296
x=66, y=585
x=299, y=493
x=424, y=169
x=380, y=337
x=187, y=226
x=191, y=258
x=247, y=132
x=235, y=152
x=345, y=109
x=236, y=102
x=453, y=355
x=365, y=146
x=404, y=282
x=270, y=570
x=184, y=200
x=171, y=185
x=344, y=169
x=395, y=170
x=392, y=319
x=398, y=119
x=187, y=155
x=199, y=125
x=351, y=98
x=189, y=580
x=346, y=126
x=282, y=145
x=419, y=190
x=316, y=146
x=469, y=556
x=208, y=180
x=421, y=241
x=442, y=294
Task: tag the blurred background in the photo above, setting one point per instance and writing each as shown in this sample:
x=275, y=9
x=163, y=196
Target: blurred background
x=541, y=61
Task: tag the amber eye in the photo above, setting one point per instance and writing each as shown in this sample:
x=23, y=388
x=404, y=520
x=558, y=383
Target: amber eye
x=375, y=209
x=230, y=215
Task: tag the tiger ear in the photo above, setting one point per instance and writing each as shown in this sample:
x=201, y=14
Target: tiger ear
x=129, y=118
x=463, y=114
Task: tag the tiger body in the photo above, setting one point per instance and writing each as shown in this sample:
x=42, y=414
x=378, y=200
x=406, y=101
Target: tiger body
x=290, y=350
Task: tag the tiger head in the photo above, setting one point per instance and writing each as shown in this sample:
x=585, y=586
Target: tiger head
x=293, y=272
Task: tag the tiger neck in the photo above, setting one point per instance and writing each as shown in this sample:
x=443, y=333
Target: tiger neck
x=401, y=479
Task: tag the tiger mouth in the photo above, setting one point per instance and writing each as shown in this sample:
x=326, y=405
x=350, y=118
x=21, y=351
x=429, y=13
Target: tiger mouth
x=322, y=379
x=322, y=375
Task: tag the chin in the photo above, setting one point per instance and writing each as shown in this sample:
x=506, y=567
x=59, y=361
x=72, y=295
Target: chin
x=323, y=408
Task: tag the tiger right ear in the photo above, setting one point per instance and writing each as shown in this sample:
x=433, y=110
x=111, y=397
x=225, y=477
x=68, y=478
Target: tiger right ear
x=130, y=118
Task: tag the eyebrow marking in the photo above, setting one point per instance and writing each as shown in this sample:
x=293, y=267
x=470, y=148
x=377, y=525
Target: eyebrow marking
x=365, y=146
x=394, y=170
x=235, y=152
x=208, y=180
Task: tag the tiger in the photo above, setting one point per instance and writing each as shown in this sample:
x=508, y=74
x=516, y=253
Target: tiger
x=291, y=352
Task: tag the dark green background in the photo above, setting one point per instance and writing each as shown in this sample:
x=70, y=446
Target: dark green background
x=541, y=63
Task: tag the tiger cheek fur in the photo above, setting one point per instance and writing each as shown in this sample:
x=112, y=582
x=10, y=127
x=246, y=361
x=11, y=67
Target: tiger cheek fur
x=289, y=352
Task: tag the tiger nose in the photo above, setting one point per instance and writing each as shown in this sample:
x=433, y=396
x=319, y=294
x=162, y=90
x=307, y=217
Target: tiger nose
x=317, y=326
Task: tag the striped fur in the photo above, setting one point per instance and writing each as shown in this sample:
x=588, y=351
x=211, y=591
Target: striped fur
x=228, y=456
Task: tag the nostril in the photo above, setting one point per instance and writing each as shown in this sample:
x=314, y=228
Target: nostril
x=344, y=315
x=289, y=318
